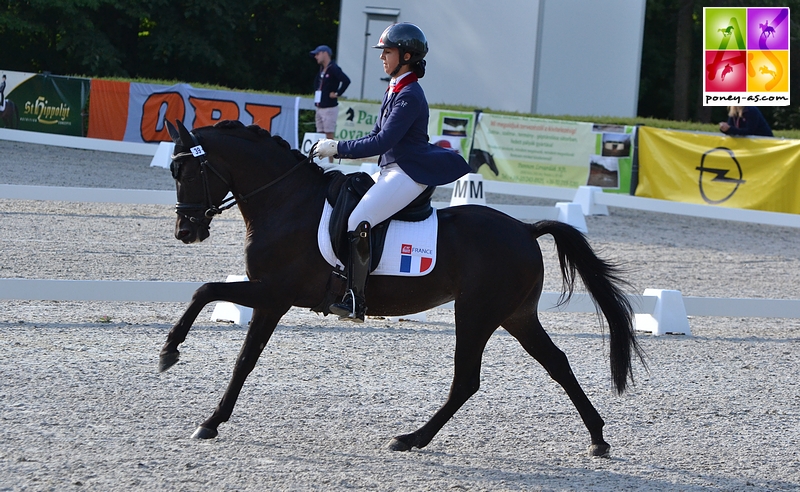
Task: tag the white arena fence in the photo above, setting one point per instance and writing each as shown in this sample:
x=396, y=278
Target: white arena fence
x=657, y=311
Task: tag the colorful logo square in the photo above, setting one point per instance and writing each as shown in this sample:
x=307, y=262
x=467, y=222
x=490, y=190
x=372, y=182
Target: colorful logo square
x=768, y=29
x=724, y=29
x=746, y=56
x=726, y=71
x=767, y=71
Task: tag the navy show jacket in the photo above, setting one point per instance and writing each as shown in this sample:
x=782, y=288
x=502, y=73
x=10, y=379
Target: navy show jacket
x=752, y=122
x=401, y=136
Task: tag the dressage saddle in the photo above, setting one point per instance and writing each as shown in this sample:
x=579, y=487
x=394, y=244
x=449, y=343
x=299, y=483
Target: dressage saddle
x=343, y=194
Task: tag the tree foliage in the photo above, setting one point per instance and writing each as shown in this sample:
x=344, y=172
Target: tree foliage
x=264, y=45
x=242, y=44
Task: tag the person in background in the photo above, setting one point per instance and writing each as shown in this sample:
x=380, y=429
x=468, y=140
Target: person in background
x=745, y=120
x=409, y=162
x=3, y=93
x=329, y=84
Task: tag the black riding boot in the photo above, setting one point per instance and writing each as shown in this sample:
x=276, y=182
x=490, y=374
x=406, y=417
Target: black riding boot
x=353, y=305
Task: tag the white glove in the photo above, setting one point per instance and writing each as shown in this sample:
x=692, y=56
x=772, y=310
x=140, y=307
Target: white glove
x=327, y=148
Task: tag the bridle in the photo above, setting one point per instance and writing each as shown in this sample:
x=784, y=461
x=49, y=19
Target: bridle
x=208, y=208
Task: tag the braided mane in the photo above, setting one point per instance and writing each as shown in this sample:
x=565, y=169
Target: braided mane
x=261, y=133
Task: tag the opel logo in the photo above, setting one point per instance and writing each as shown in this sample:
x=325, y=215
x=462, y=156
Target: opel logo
x=727, y=175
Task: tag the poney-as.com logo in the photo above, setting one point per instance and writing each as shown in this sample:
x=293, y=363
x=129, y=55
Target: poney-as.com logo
x=746, y=56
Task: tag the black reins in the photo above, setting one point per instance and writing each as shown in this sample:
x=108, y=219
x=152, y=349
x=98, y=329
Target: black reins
x=208, y=208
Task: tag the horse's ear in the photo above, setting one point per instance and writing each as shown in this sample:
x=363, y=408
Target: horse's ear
x=184, y=135
x=173, y=132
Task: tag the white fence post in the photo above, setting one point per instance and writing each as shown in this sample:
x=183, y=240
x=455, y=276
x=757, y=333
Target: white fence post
x=163, y=155
x=571, y=213
x=669, y=316
x=585, y=198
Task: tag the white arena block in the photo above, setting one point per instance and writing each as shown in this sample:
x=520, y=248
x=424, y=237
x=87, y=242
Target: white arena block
x=572, y=214
x=163, y=155
x=230, y=312
x=585, y=198
x=468, y=189
x=669, y=315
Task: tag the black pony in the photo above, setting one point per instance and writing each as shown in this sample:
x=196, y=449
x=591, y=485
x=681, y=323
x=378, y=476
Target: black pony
x=280, y=194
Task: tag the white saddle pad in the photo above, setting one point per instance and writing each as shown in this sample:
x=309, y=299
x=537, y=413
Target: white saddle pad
x=409, y=250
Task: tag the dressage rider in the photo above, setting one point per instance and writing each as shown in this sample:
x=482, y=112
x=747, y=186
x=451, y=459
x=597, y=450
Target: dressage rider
x=408, y=162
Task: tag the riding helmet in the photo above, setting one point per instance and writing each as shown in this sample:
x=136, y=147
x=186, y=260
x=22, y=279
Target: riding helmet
x=406, y=37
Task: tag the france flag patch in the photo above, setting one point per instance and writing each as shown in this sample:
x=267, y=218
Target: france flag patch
x=415, y=260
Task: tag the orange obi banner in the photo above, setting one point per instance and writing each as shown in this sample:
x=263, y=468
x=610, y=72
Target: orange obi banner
x=738, y=172
x=135, y=112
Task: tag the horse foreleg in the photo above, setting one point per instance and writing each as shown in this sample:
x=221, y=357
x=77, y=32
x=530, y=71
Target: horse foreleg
x=259, y=333
x=169, y=354
x=466, y=382
x=537, y=343
x=242, y=293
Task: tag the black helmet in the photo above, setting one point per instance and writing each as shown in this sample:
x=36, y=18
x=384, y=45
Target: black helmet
x=408, y=38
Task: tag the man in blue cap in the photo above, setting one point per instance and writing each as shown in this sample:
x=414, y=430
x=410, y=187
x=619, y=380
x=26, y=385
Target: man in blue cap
x=329, y=84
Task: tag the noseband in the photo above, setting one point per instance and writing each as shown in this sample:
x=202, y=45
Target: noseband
x=208, y=208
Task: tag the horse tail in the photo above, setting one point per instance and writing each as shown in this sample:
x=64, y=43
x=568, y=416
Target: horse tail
x=604, y=282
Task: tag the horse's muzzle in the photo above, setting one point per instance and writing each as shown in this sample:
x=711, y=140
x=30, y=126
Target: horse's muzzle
x=191, y=230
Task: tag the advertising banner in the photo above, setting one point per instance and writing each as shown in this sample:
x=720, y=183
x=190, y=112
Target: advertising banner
x=44, y=103
x=108, y=115
x=452, y=130
x=355, y=119
x=611, y=164
x=738, y=172
x=449, y=129
x=148, y=105
x=552, y=153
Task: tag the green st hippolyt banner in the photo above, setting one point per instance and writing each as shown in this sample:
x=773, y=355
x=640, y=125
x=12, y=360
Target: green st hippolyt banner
x=46, y=103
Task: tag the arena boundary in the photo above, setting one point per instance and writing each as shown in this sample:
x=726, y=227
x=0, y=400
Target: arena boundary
x=659, y=312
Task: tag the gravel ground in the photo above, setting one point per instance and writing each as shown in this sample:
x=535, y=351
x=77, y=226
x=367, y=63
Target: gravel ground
x=84, y=408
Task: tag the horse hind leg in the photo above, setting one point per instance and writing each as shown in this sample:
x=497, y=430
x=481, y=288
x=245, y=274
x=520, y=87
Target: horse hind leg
x=529, y=332
x=471, y=338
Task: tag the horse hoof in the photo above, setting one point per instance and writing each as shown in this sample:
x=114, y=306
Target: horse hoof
x=397, y=445
x=167, y=360
x=600, y=450
x=204, y=433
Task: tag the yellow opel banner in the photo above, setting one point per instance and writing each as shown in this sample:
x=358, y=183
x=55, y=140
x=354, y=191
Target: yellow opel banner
x=737, y=172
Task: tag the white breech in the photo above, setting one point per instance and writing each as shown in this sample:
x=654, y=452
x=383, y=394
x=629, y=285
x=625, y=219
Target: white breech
x=393, y=191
